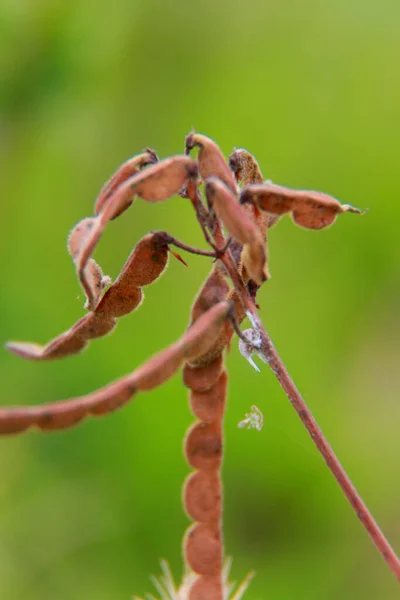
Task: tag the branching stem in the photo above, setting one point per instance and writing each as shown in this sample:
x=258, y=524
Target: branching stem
x=300, y=406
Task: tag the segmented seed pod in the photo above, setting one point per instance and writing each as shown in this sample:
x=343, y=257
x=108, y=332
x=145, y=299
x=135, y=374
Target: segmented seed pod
x=66, y=413
x=313, y=210
x=144, y=266
x=211, y=160
x=129, y=168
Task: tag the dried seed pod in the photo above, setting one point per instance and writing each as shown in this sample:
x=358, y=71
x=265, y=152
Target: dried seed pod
x=313, y=210
x=241, y=227
x=166, y=178
x=94, y=282
x=65, y=413
x=209, y=406
x=214, y=290
x=203, y=550
x=247, y=170
x=203, y=446
x=156, y=183
x=202, y=379
x=211, y=160
x=203, y=333
x=129, y=168
x=144, y=266
x=202, y=496
x=245, y=167
x=206, y=588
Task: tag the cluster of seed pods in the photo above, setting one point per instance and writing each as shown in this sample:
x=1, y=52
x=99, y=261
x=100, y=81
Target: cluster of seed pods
x=238, y=199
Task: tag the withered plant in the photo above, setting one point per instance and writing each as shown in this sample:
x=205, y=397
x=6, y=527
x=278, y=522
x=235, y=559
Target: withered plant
x=240, y=208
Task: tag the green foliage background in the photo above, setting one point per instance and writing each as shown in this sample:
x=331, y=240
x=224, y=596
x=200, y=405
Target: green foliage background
x=313, y=89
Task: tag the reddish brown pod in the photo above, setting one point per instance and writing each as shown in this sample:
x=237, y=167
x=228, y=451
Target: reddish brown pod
x=156, y=183
x=313, y=210
x=241, y=227
x=247, y=171
x=211, y=160
x=144, y=266
x=93, y=281
x=203, y=549
x=65, y=413
x=202, y=496
x=206, y=588
x=228, y=295
x=129, y=168
x=245, y=167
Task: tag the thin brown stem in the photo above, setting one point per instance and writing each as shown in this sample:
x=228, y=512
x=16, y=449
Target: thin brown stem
x=300, y=406
x=169, y=239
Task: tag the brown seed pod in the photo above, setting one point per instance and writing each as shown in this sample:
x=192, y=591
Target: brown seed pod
x=313, y=210
x=247, y=170
x=94, y=282
x=144, y=266
x=211, y=160
x=206, y=588
x=129, y=168
x=203, y=446
x=65, y=413
x=156, y=183
x=202, y=496
x=202, y=379
x=209, y=406
x=245, y=167
x=241, y=227
x=203, y=549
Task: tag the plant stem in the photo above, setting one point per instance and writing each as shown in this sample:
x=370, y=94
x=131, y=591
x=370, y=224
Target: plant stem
x=300, y=406
x=298, y=403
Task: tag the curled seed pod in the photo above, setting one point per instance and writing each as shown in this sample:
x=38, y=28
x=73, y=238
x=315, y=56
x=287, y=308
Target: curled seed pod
x=211, y=160
x=129, y=168
x=156, y=183
x=65, y=413
x=166, y=178
x=94, y=282
x=209, y=406
x=313, y=210
x=202, y=496
x=241, y=227
x=203, y=549
x=203, y=446
x=145, y=264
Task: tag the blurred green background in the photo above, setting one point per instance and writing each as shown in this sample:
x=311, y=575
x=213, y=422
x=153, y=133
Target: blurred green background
x=313, y=89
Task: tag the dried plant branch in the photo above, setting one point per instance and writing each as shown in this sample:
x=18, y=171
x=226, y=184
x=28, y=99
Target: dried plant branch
x=219, y=308
x=333, y=463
